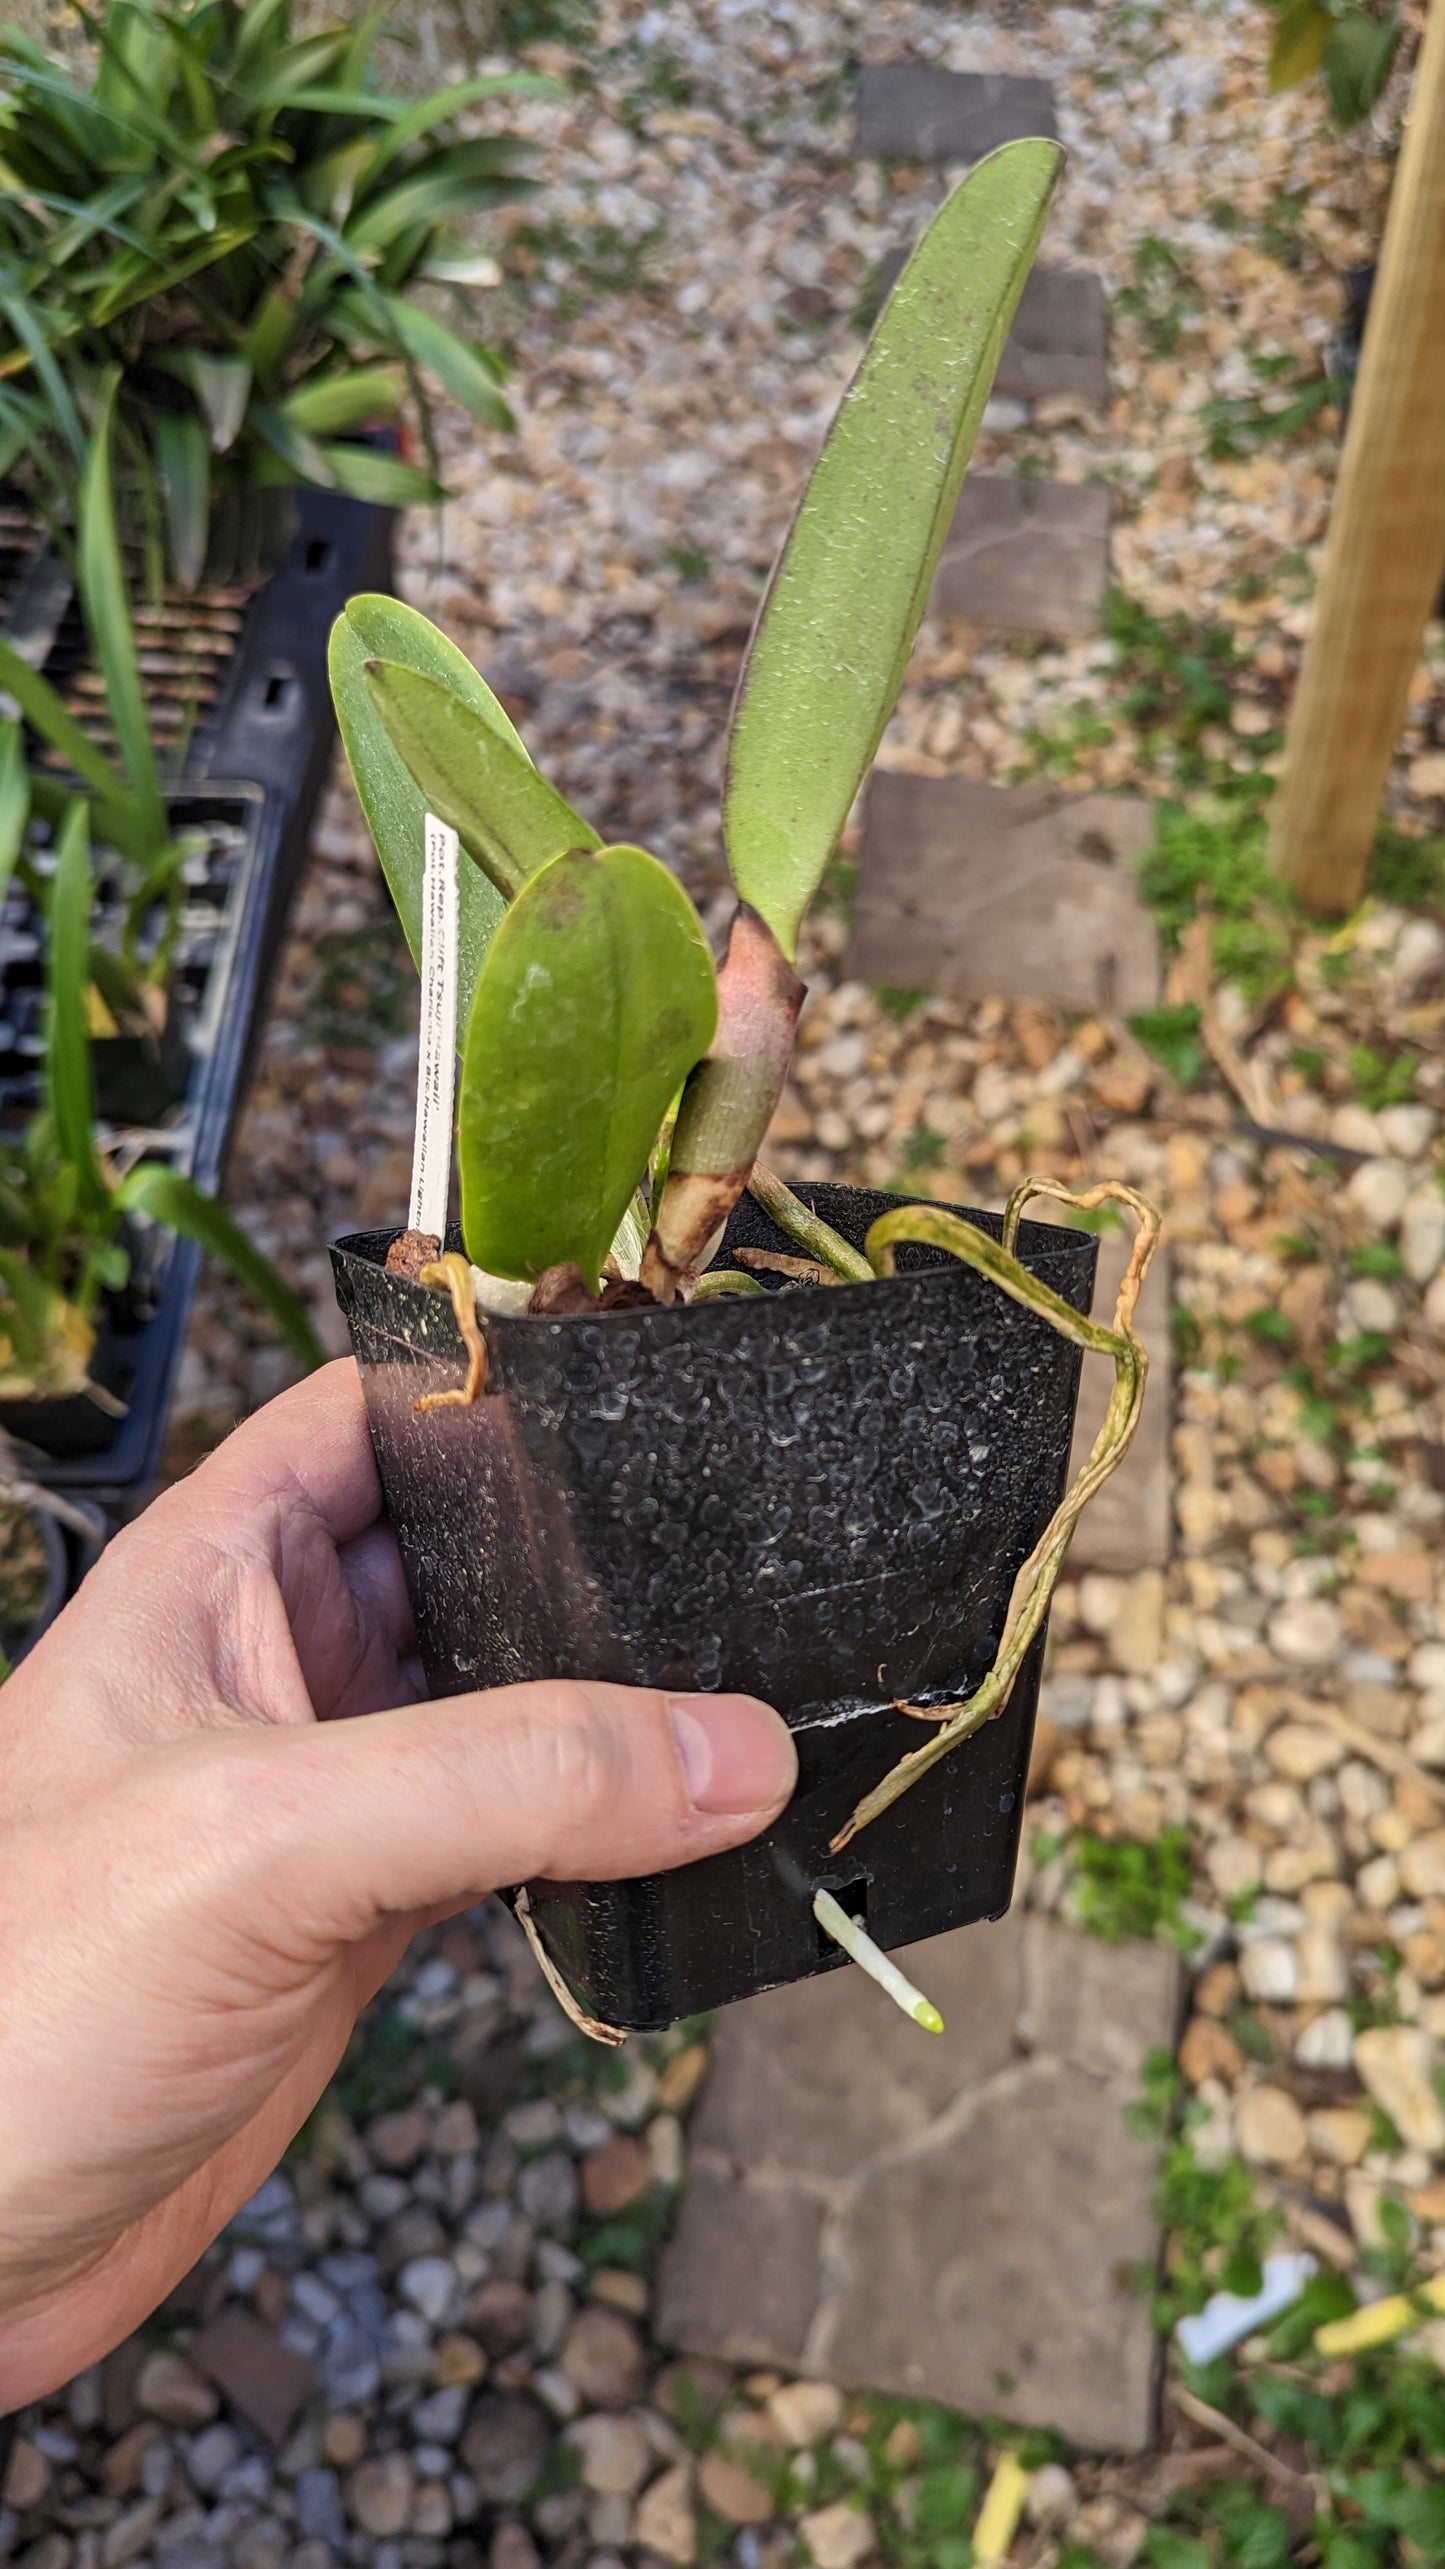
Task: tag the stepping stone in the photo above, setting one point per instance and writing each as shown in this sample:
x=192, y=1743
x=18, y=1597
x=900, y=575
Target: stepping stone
x=1026, y=556
x=1059, y=342
x=916, y=111
x=1059, y=339
x=950, y=2218
x=1130, y=1524
x=1004, y=891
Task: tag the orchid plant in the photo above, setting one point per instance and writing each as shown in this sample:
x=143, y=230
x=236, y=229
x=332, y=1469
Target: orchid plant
x=616, y=1086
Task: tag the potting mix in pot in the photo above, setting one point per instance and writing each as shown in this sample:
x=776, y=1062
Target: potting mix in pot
x=647, y=1415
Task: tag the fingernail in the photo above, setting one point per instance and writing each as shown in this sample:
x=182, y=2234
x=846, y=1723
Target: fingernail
x=737, y=1754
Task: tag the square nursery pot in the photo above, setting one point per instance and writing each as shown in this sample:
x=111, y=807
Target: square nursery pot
x=821, y=1498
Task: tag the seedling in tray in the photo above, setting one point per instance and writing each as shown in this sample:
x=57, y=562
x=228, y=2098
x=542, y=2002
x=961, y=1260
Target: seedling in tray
x=677, y=1450
x=72, y=1215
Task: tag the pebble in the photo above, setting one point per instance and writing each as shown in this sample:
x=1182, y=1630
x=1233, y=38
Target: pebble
x=839, y=2536
x=665, y=2522
x=169, y=2388
x=603, y=2358
x=1422, y=1866
x=805, y=2412
x=503, y=2445
x=211, y=2455
x=1326, y=2042
x=430, y=2285
x=615, y=2453
x=732, y=2491
x=1269, y=1971
x=1377, y=1191
x=615, y=2174
x=1306, y=1635
x=548, y=2191
x=1399, y=2064
x=27, y=2478
x=379, y=2495
x=1052, y=2495
x=1422, y=1233
x=1270, y=2127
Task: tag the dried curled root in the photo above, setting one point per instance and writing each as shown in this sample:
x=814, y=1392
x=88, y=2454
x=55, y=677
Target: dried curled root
x=931, y=1227
x=1034, y=1586
x=453, y=1275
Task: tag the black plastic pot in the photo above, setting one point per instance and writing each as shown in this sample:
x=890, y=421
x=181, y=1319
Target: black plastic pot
x=270, y=726
x=821, y=1498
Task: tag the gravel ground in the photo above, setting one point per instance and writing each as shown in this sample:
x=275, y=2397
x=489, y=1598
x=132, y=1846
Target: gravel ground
x=465, y=2268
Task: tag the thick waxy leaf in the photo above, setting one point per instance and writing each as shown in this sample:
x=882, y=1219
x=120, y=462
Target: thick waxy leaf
x=837, y=625
x=14, y=799
x=380, y=628
x=596, y=999
x=506, y=815
x=468, y=374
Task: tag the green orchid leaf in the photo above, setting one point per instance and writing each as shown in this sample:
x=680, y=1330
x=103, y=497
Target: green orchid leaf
x=165, y=1196
x=469, y=374
x=832, y=640
x=377, y=628
x=14, y=799
x=596, y=999
x=507, y=816
x=107, y=615
x=67, y=1049
x=222, y=386
x=364, y=473
x=183, y=453
x=1301, y=40
x=331, y=404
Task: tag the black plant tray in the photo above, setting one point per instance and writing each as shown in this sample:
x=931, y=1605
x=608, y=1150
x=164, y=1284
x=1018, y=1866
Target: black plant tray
x=822, y=1498
x=256, y=765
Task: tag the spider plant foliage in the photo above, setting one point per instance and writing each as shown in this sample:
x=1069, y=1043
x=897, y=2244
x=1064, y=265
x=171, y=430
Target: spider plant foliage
x=235, y=216
x=588, y=1002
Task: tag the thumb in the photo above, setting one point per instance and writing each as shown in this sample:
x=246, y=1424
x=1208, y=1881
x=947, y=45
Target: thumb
x=427, y=1807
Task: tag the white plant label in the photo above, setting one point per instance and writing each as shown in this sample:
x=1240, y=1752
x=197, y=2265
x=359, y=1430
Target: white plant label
x=436, y=1078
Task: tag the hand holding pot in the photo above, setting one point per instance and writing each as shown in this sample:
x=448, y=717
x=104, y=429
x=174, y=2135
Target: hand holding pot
x=207, y=1865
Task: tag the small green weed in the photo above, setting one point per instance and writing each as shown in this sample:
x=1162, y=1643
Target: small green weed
x=1196, y=863
x=1281, y=234
x=365, y=987
x=1123, y=1887
x=1408, y=872
x=1160, y=297
x=593, y=259
x=1178, y=681
x=1382, y=1079
x=690, y=565
x=1172, y=1035
x=1290, y=397
x=900, y=1005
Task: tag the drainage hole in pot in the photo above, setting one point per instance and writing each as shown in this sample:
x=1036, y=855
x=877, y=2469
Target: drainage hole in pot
x=852, y=1897
x=276, y=691
x=317, y=555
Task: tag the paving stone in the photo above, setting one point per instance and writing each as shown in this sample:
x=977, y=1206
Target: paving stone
x=1004, y=891
x=1130, y=1524
x=1059, y=339
x=266, y=2380
x=959, y=2232
x=918, y=111
x=1025, y=555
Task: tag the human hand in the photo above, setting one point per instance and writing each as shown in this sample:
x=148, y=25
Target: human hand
x=208, y=1865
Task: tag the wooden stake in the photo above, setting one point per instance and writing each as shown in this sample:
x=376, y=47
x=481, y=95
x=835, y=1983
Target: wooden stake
x=1386, y=547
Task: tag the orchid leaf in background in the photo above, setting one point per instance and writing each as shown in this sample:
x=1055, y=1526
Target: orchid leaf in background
x=107, y=615
x=832, y=641
x=596, y=999
x=165, y=1196
x=377, y=628
x=67, y=1049
x=506, y=815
